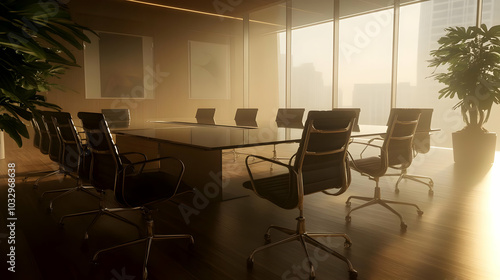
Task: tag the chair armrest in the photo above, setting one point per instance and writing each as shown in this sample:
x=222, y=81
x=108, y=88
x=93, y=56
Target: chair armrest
x=250, y=174
x=136, y=153
x=369, y=143
x=144, y=162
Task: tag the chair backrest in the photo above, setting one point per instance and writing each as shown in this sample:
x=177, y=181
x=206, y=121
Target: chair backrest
x=44, y=141
x=397, y=149
x=205, y=115
x=106, y=163
x=322, y=154
x=117, y=118
x=290, y=117
x=36, y=131
x=73, y=156
x=246, y=116
x=55, y=147
x=422, y=140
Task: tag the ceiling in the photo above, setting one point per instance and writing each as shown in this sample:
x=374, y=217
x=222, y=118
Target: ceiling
x=225, y=7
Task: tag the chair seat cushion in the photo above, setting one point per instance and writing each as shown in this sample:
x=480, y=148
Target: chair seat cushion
x=275, y=189
x=370, y=165
x=149, y=187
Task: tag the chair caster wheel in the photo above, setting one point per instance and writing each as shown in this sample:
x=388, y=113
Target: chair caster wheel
x=420, y=212
x=267, y=238
x=403, y=227
x=431, y=192
x=348, y=219
x=347, y=204
x=353, y=274
x=396, y=191
x=347, y=244
x=249, y=263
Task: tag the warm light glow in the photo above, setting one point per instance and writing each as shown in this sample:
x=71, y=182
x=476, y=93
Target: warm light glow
x=493, y=216
x=195, y=11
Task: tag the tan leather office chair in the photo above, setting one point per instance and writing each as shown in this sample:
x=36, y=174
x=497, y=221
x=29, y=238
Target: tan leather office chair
x=244, y=117
x=421, y=145
x=205, y=115
x=396, y=150
x=320, y=164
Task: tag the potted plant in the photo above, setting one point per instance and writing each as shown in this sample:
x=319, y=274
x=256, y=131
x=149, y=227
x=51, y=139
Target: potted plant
x=35, y=41
x=472, y=58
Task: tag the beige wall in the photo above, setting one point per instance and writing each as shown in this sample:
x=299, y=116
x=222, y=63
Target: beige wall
x=171, y=32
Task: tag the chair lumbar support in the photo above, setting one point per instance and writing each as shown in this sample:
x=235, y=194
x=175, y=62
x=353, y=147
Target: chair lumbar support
x=300, y=234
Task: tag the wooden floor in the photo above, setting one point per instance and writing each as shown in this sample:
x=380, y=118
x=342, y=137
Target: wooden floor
x=458, y=237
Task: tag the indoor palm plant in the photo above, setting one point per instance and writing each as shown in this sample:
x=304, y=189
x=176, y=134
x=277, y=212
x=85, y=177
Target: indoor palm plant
x=472, y=58
x=35, y=41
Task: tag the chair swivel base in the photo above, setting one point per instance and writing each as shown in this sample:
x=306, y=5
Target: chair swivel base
x=301, y=235
x=100, y=212
x=376, y=199
x=68, y=191
x=417, y=178
x=148, y=240
x=37, y=173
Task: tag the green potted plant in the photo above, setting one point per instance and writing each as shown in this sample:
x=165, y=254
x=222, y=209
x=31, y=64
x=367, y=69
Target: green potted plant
x=35, y=41
x=472, y=58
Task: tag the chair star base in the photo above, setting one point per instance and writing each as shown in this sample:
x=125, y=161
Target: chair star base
x=376, y=199
x=100, y=212
x=148, y=240
x=304, y=237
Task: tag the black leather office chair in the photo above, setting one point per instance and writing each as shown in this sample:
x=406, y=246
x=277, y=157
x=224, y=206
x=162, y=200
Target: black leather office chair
x=134, y=188
x=74, y=159
x=396, y=150
x=53, y=145
x=205, y=115
x=320, y=164
x=41, y=141
x=117, y=118
x=421, y=145
x=287, y=118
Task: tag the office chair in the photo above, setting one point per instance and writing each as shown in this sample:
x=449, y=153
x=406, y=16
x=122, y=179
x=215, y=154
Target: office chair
x=74, y=159
x=54, y=147
x=134, y=188
x=320, y=164
x=41, y=141
x=287, y=118
x=421, y=145
x=244, y=117
x=205, y=115
x=117, y=118
x=396, y=150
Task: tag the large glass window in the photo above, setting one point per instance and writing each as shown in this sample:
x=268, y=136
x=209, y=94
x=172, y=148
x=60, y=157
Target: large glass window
x=421, y=25
x=312, y=54
x=365, y=63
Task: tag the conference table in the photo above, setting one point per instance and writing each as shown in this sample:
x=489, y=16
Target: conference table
x=200, y=146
